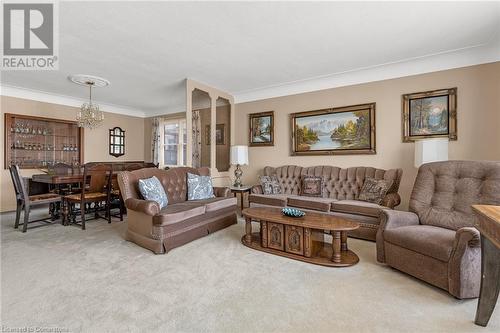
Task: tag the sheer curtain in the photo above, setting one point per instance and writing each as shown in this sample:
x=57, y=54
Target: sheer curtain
x=196, y=139
x=155, y=140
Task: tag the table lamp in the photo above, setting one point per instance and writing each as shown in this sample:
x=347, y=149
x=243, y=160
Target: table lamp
x=431, y=150
x=239, y=156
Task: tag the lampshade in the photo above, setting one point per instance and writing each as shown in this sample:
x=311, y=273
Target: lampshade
x=431, y=150
x=239, y=155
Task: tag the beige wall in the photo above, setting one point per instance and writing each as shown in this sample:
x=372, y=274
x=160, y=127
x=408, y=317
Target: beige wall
x=95, y=141
x=478, y=121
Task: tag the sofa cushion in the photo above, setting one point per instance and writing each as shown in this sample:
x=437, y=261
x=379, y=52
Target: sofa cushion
x=199, y=187
x=357, y=207
x=374, y=190
x=435, y=242
x=270, y=185
x=178, y=212
x=215, y=204
x=151, y=189
x=278, y=200
x=311, y=186
x=312, y=203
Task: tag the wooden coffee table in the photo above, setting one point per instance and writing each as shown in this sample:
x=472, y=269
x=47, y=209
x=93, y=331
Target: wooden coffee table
x=300, y=238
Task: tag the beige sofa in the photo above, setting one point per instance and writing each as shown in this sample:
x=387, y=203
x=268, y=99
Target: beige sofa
x=341, y=188
x=182, y=221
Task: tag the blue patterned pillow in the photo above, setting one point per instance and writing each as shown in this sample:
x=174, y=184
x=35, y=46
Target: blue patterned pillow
x=199, y=187
x=151, y=189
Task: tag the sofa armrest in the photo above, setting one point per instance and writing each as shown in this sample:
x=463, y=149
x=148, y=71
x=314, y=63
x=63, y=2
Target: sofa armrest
x=464, y=266
x=391, y=200
x=222, y=192
x=467, y=236
x=148, y=207
x=390, y=219
x=257, y=189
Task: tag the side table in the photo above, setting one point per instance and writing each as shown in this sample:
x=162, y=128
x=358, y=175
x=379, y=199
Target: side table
x=488, y=223
x=241, y=190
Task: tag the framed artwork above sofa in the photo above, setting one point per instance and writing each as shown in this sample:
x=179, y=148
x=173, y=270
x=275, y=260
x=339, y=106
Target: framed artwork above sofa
x=336, y=131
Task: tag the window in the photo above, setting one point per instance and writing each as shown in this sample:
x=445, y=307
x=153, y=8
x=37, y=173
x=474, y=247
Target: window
x=173, y=143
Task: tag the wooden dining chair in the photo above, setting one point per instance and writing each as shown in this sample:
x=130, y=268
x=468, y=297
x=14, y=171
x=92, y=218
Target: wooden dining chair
x=116, y=201
x=24, y=201
x=96, y=189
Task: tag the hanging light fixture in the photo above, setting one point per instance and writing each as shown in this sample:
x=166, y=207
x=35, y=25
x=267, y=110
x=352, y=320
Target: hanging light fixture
x=89, y=115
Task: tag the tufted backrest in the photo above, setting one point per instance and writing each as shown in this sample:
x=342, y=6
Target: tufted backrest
x=338, y=183
x=174, y=181
x=444, y=191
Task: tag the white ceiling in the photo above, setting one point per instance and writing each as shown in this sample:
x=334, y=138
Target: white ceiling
x=256, y=50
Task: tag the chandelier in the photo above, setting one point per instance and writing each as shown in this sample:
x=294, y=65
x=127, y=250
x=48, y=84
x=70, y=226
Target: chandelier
x=89, y=115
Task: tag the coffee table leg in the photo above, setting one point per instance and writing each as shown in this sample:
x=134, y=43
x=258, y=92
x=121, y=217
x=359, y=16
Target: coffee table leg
x=248, y=230
x=263, y=233
x=344, y=241
x=336, y=246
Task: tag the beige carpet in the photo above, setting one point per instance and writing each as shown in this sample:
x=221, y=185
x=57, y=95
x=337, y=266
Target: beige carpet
x=95, y=281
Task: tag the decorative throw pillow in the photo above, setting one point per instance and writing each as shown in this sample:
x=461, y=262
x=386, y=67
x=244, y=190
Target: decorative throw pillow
x=311, y=186
x=199, y=187
x=151, y=189
x=374, y=190
x=270, y=185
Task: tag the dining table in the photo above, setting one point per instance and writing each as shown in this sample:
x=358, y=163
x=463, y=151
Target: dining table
x=57, y=180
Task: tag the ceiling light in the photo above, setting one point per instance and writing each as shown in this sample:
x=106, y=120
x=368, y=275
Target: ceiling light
x=89, y=115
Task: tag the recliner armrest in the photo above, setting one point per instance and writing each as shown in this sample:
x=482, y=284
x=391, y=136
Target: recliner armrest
x=148, y=207
x=469, y=236
x=391, y=219
x=257, y=189
x=222, y=192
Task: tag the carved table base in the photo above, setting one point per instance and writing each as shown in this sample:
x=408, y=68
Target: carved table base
x=304, y=244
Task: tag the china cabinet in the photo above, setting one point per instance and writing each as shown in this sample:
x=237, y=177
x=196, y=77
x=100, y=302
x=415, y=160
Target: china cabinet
x=36, y=142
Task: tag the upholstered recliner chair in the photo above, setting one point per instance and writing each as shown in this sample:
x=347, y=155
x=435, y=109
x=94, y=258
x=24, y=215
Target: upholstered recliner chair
x=436, y=240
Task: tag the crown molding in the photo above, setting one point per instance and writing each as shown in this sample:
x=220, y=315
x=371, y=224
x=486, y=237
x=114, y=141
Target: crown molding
x=43, y=96
x=470, y=56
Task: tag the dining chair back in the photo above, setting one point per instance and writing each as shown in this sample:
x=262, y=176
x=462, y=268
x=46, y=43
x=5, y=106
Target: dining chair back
x=24, y=201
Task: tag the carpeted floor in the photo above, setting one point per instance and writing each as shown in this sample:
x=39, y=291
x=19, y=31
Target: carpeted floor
x=95, y=281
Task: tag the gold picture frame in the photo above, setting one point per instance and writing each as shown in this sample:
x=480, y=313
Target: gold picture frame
x=429, y=114
x=348, y=130
x=261, y=129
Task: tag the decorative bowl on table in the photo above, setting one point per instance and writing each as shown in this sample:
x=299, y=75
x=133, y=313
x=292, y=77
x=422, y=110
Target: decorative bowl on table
x=293, y=212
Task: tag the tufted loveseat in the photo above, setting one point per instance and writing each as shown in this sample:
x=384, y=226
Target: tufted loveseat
x=182, y=221
x=436, y=240
x=340, y=192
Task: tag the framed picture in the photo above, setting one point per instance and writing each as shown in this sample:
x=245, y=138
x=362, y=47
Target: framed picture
x=220, y=134
x=336, y=131
x=261, y=129
x=430, y=114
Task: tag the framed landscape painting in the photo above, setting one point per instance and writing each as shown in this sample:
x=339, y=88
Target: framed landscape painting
x=336, y=131
x=430, y=114
x=261, y=129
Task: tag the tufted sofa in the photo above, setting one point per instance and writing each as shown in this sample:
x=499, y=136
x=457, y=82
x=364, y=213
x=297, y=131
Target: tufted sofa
x=341, y=188
x=436, y=240
x=182, y=221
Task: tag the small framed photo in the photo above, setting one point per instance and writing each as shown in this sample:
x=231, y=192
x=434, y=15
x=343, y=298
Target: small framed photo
x=430, y=114
x=220, y=134
x=261, y=129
